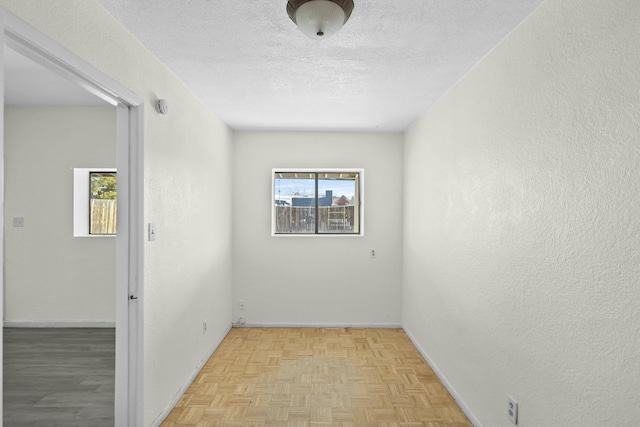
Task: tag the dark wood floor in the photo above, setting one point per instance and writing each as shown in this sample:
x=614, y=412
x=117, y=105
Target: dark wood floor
x=59, y=377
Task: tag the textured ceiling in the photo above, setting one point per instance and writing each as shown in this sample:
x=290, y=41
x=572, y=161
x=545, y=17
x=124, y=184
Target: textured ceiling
x=388, y=64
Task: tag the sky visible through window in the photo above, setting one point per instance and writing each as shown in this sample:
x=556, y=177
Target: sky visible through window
x=306, y=187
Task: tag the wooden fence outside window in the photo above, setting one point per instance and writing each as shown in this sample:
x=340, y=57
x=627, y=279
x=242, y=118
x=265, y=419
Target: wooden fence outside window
x=103, y=216
x=300, y=219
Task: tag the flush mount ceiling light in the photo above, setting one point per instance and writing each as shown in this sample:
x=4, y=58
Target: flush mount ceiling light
x=319, y=19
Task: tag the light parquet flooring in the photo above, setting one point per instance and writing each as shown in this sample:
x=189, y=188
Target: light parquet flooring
x=312, y=377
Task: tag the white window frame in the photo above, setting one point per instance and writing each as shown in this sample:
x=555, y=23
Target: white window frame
x=360, y=171
x=81, y=201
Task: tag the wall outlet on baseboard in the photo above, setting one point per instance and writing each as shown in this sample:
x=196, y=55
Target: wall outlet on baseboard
x=512, y=410
x=204, y=327
x=242, y=305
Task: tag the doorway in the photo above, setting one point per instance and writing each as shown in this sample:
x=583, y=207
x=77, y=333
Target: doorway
x=59, y=287
x=129, y=273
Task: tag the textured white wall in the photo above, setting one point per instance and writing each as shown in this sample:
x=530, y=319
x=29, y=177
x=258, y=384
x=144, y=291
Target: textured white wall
x=49, y=274
x=187, y=173
x=317, y=280
x=522, y=239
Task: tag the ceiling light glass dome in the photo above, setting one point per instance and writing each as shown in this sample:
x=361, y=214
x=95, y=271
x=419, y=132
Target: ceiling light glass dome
x=319, y=19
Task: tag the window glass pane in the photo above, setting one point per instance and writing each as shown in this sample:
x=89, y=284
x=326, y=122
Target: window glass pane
x=295, y=203
x=338, y=203
x=102, y=203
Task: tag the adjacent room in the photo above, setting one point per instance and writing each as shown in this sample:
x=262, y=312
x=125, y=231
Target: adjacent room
x=425, y=214
x=59, y=259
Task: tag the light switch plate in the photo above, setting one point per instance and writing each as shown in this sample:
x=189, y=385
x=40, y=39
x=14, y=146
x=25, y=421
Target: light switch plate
x=152, y=232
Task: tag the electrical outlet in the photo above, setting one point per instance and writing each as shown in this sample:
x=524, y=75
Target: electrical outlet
x=373, y=253
x=242, y=303
x=204, y=327
x=512, y=410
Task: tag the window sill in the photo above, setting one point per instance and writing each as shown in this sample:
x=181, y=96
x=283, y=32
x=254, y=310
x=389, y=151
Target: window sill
x=317, y=235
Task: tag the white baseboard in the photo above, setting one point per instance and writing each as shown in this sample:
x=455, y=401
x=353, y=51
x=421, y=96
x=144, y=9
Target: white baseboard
x=319, y=325
x=190, y=380
x=443, y=379
x=56, y=324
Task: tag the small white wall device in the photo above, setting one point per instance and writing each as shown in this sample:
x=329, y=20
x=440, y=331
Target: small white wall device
x=162, y=106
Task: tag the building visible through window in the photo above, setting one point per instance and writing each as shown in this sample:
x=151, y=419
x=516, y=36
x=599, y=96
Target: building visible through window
x=102, y=202
x=317, y=202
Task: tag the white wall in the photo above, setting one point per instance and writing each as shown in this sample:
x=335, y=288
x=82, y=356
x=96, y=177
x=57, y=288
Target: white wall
x=51, y=276
x=317, y=280
x=521, y=240
x=187, y=171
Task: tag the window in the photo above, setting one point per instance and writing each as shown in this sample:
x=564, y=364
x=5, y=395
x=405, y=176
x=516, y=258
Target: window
x=102, y=203
x=94, y=202
x=317, y=201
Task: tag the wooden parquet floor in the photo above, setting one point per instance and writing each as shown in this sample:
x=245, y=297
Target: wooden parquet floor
x=311, y=377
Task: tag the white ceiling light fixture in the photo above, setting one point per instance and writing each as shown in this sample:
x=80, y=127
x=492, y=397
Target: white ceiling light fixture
x=319, y=19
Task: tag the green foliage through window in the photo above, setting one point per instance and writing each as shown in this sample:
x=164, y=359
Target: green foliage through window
x=103, y=185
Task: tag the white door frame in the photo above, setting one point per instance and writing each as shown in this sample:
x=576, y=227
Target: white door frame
x=129, y=242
